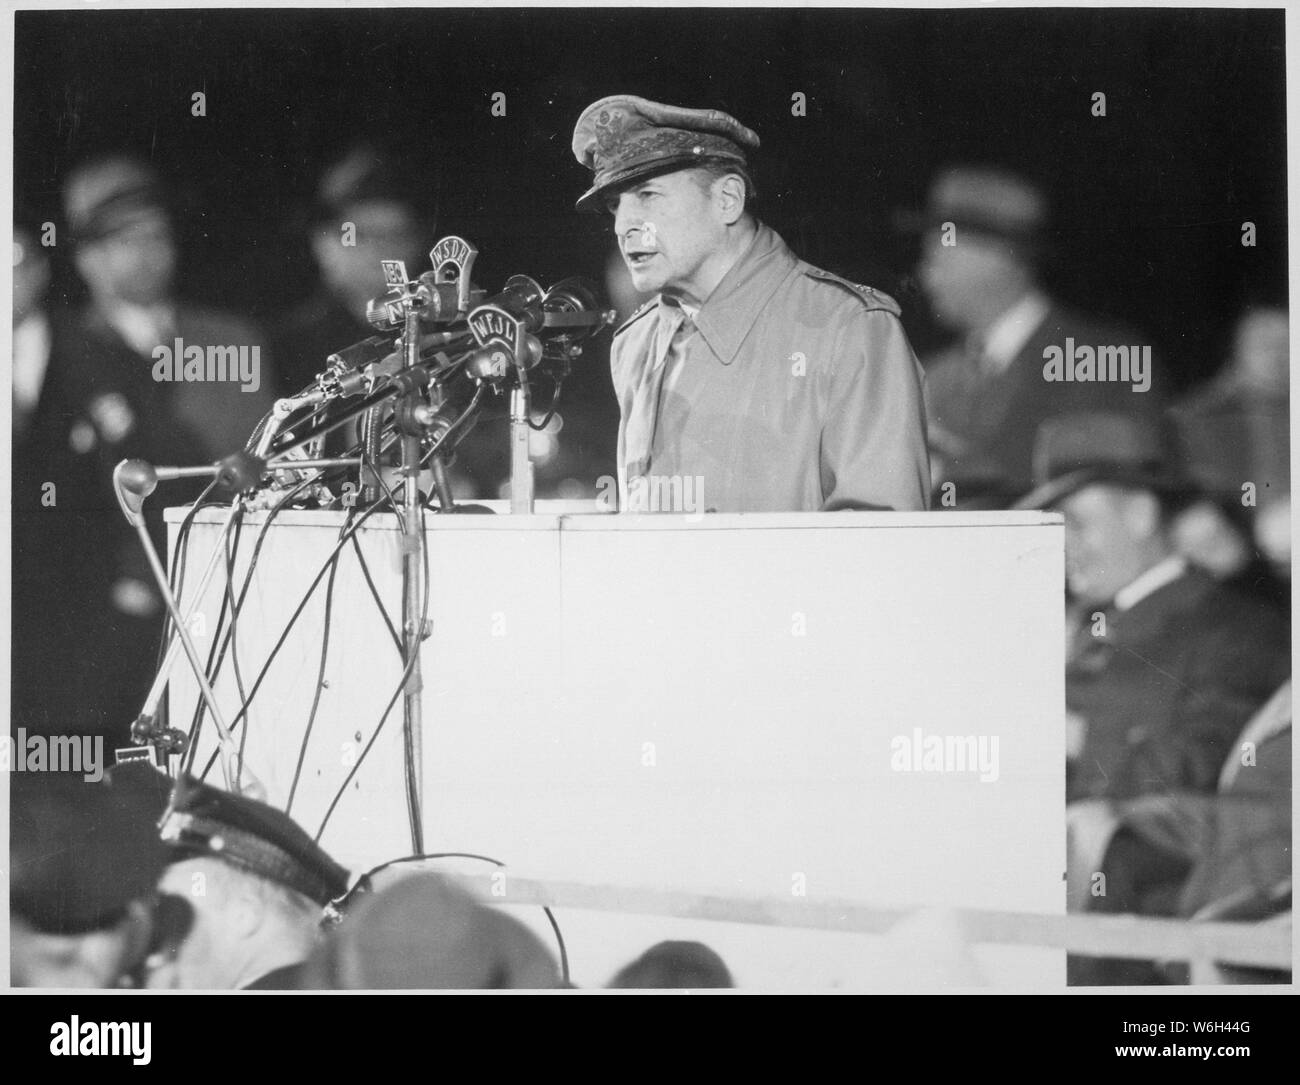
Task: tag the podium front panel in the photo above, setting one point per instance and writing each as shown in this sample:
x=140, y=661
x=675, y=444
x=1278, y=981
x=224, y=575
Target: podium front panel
x=819, y=707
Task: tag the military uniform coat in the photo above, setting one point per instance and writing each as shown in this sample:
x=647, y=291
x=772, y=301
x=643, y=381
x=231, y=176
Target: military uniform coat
x=797, y=391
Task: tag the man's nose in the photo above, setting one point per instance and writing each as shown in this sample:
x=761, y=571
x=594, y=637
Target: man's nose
x=626, y=220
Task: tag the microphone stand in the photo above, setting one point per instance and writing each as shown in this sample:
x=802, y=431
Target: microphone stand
x=134, y=482
x=413, y=543
x=521, y=461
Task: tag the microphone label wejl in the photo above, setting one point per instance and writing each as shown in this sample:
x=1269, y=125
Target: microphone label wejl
x=492, y=326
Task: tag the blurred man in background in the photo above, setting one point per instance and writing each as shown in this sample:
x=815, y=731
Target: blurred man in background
x=365, y=211
x=120, y=218
x=137, y=373
x=984, y=239
x=1237, y=435
x=51, y=483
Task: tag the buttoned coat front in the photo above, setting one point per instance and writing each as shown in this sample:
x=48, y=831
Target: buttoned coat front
x=798, y=391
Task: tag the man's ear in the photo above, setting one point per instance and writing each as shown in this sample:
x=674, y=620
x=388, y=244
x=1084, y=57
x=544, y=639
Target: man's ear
x=247, y=909
x=729, y=192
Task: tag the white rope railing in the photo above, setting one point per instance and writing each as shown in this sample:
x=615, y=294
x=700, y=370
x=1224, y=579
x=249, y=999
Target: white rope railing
x=1261, y=945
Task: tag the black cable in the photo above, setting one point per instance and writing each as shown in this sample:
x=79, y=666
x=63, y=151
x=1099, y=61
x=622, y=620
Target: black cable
x=320, y=673
x=176, y=568
x=293, y=618
x=200, y=709
x=396, y=505
x=460, y=420
x=234, y=615
x=406, y=671
x=550, y=413
x=374, y=594
x=207, y=669
x=175, y=584
x=559, y=941
x=406, y=674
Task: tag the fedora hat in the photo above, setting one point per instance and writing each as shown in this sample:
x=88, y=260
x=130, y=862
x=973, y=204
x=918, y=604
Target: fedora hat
x=986, y=200
x=1078, y=450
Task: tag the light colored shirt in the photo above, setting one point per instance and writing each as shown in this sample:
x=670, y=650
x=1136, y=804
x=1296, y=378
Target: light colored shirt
x=142, y=328
x=794, y=391
x=1155, y=578
x=1006, y=337
x=31, y=359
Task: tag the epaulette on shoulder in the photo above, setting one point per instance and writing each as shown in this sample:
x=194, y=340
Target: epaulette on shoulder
x=869, y=296
x=647, y=307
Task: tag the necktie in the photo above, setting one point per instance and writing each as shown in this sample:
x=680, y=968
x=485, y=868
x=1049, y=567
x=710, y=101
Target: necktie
x=674, y=331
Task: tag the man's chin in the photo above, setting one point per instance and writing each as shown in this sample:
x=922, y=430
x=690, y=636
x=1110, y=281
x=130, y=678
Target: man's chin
x=1086, y=594
x=646, y=282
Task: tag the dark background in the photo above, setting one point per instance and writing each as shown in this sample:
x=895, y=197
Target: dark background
x=1149, y=200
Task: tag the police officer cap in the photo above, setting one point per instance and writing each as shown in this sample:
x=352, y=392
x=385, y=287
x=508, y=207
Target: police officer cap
x=623, y=138
x=252, y=836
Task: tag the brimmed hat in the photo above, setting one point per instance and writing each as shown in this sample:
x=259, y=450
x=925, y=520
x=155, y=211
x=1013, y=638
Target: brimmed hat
x=1077, y=450
x=365, y=174
x=104, y=196
x=623, y=138
x=250, y=835
x=985, y=200
x=82, y=851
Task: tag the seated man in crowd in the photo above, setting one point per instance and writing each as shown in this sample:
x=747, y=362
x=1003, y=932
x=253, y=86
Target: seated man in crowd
x=254, y=886
x=1222, y=856
x=1166, y=666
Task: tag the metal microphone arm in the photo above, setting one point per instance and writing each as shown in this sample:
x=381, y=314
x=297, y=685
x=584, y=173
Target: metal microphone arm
x=133, y=482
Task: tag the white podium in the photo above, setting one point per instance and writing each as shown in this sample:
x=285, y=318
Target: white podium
x=860, y=707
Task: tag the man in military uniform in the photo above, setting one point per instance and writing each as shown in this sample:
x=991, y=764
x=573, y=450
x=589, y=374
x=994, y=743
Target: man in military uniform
x=752, y=381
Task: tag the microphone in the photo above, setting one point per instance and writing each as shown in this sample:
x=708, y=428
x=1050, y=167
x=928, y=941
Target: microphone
x=359, y=355
x=572, y=313
x=135, y=480
x=439, y=303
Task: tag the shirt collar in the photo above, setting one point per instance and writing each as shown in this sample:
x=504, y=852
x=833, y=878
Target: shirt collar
x=1155, y=578
x=729, y=313
x=1007, y=336
x=142, y=327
